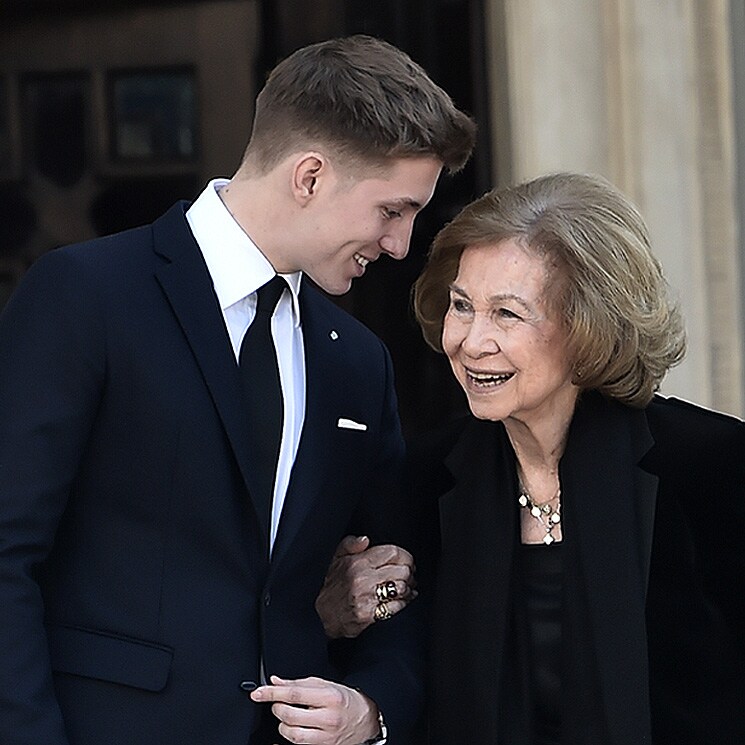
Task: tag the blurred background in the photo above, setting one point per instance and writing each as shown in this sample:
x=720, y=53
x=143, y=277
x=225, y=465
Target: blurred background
x=110, y=112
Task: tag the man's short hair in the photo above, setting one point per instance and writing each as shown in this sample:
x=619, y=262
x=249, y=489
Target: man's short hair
x=362, y=97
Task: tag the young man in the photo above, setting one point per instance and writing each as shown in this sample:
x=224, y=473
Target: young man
x=157, y=559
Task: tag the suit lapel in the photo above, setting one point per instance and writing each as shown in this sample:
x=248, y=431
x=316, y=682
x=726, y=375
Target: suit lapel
x=323, y=385
x=608, y=514
x=186, y=283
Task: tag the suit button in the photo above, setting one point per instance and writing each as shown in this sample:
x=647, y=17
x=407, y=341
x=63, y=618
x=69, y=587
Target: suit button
x=267, y=599
x=249, y=685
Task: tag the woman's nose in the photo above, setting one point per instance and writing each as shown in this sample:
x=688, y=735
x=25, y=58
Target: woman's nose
x=480, y=337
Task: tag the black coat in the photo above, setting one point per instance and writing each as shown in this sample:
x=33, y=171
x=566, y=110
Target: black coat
x=653, y=516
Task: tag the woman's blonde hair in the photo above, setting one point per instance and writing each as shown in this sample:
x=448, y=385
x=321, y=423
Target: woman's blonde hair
x=624, y=330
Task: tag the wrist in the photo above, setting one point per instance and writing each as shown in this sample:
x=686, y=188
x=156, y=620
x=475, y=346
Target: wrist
x=382, y=735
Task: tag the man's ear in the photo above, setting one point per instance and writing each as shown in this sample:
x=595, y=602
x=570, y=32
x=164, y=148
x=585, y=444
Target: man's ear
x=306, y=172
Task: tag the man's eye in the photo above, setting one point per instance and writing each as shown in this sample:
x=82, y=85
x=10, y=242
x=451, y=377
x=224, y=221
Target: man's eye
x=390, y=214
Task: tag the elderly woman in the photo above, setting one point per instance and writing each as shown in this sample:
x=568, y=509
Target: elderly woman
x=582, y=533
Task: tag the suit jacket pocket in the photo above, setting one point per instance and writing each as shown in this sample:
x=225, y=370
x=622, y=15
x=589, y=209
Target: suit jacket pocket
x=109, y=657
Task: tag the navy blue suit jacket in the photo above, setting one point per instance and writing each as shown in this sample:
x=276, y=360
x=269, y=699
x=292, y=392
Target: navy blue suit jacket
x=135, y=589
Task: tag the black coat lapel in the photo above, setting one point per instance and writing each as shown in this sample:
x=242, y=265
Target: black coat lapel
x=188, y=286
x=477, y=524
x=608, y=513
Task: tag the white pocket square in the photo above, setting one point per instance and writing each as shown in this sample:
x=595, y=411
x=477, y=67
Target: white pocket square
x=350, y=424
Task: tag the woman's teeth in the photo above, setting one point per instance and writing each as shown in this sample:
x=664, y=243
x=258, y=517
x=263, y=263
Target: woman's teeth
x=486, y=380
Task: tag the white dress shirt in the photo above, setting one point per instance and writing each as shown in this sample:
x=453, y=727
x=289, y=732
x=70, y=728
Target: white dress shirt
x=238, y=269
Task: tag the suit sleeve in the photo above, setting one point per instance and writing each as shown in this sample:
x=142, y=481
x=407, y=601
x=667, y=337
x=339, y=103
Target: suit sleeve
x=386, y=661
x=50, y=382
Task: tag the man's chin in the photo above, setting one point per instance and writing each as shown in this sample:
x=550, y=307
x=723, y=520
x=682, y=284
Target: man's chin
x=333, y=288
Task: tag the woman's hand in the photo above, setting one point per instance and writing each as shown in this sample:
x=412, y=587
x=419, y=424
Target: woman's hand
x=363, y=584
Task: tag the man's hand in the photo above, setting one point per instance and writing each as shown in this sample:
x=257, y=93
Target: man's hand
x=319, y=712
x=348, y=599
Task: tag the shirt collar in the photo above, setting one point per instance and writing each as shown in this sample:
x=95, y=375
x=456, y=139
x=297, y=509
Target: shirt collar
x=235, y=262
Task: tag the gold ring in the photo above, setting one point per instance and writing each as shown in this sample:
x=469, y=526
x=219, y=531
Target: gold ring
x=381, y=612
x=386, y=591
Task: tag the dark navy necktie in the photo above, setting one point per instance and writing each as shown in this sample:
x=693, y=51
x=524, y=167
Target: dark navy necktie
x=260, y=373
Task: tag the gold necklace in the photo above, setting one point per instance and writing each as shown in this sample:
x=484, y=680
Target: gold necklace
x=546, y=515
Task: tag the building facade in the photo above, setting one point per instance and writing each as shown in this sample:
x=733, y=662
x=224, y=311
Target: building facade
x=110, y=112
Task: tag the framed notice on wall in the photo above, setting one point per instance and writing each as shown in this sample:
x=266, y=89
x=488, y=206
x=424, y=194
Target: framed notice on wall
x=7, y=157
x=152, y=116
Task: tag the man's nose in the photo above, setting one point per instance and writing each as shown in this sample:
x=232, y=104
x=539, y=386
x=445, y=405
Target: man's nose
x=396, y=241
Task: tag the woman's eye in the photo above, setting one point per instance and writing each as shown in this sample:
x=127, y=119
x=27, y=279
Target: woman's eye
x=507, y=313
x=459, y=305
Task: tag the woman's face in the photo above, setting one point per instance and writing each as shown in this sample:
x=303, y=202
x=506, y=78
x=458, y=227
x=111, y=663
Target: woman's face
x=506, y=346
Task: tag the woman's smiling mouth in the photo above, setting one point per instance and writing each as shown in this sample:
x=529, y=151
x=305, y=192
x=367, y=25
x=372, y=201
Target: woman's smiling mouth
x=486, y=380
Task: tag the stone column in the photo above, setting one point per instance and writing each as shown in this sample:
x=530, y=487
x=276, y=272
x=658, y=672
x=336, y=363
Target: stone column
x=640, y=92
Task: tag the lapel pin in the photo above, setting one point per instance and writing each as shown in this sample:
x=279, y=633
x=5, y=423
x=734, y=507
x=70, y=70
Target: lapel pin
x=334, y=335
